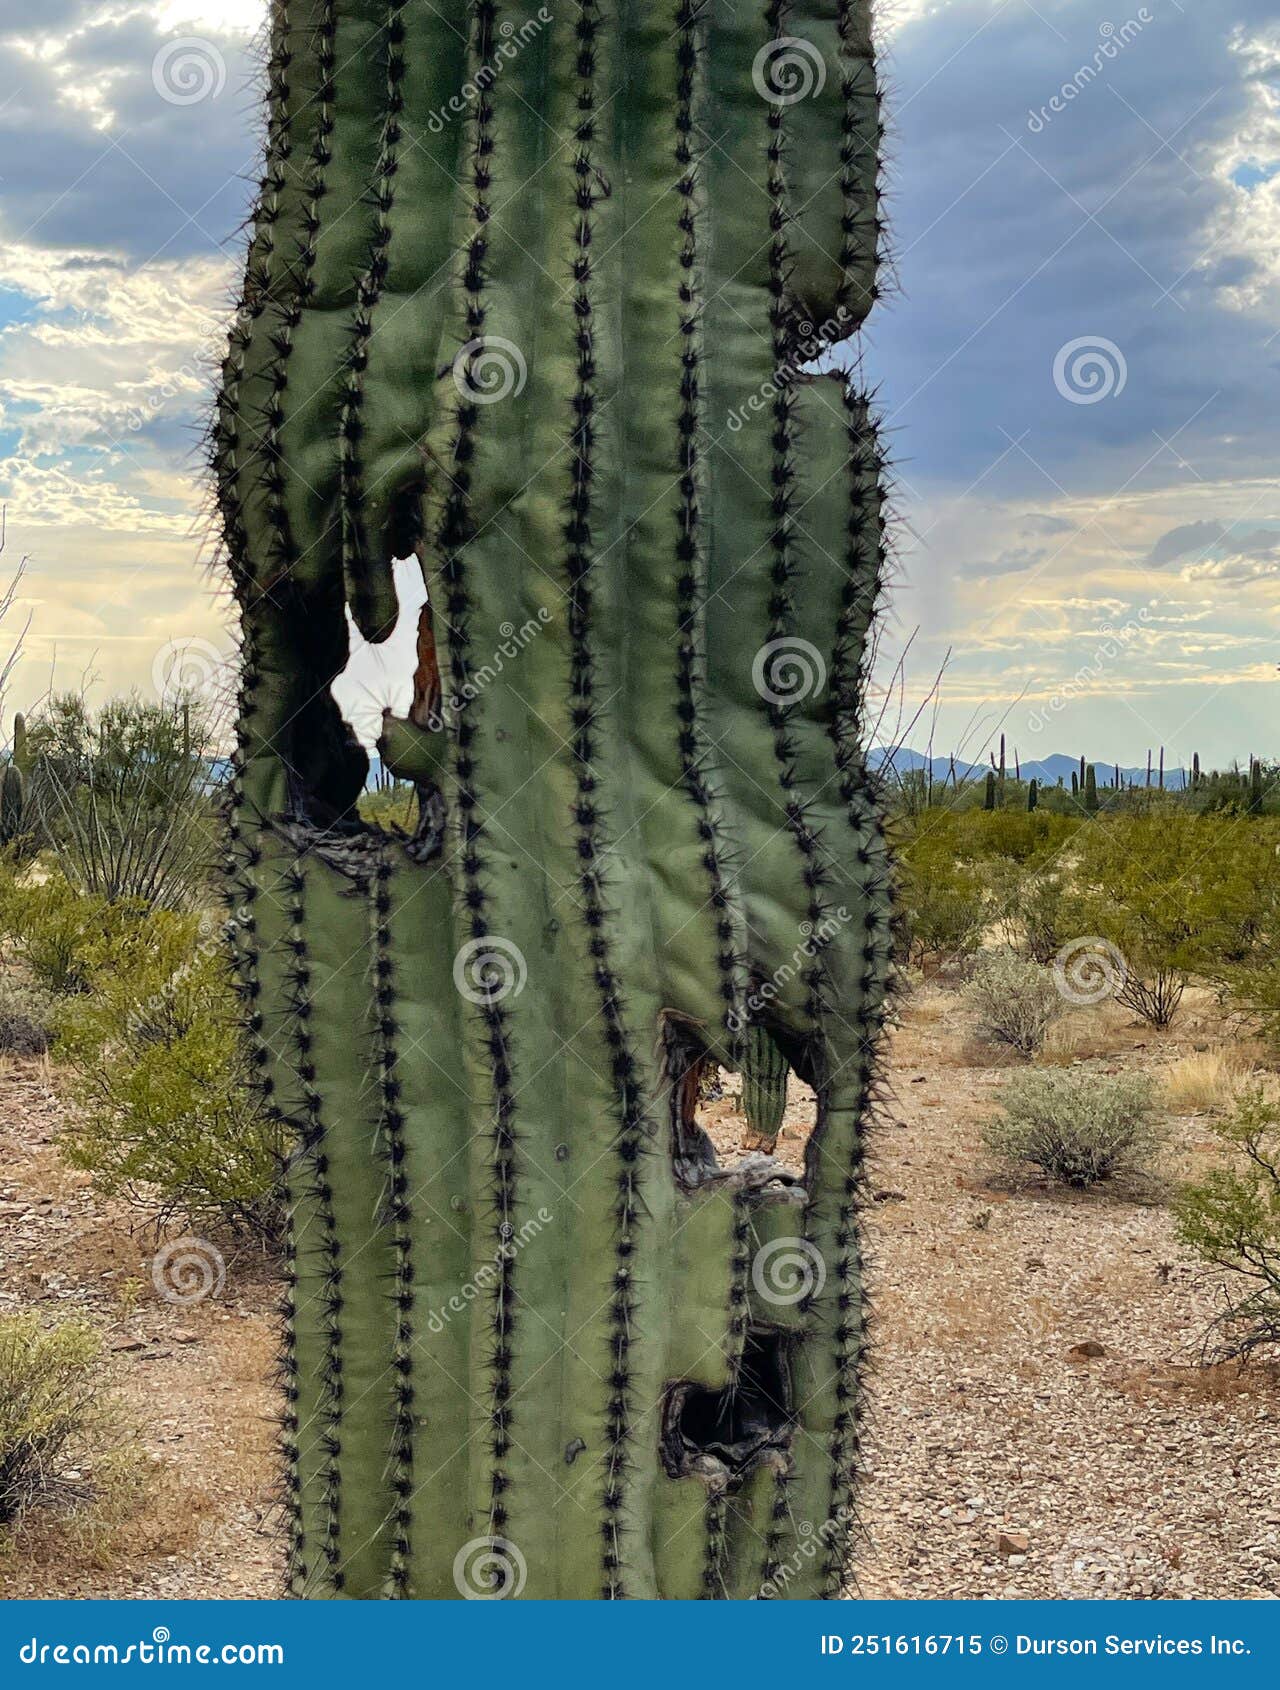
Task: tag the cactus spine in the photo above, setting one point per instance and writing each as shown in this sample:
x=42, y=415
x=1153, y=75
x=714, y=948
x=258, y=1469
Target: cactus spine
x=535, y=1346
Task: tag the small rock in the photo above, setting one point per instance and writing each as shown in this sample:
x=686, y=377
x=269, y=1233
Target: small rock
x=182, y=1336
x=890, y=1196
x=1090, y=1350
x=1012, y=1543
x=125, y=1345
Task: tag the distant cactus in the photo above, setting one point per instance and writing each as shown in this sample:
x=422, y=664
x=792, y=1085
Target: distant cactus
x=1075, y=784
x=1033, y=795
x=13, y=805
x=1091, y=790
x=1255, y=787
x=764, y=1088
x=21, y=748
x=989, y=795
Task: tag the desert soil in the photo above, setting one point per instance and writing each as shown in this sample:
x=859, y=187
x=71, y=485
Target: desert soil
x=1037, y=1421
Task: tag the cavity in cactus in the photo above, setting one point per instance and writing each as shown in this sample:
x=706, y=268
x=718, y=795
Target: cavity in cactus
x=546, y=334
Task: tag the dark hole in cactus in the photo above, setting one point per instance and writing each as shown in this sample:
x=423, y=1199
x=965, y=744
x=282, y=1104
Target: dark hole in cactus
x=719, y=1436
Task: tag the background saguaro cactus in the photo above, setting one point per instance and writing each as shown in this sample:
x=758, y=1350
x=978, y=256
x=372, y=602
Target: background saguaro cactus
x=533, y=295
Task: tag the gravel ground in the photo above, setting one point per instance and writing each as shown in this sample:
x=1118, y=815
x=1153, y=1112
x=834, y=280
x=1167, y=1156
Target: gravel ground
x=193, y=1379
x=1037, y=1424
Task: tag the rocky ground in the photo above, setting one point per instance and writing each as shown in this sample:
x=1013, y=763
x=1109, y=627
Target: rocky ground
x=1038, y=1424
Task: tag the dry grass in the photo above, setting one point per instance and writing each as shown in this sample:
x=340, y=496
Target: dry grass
x=1205, y=1081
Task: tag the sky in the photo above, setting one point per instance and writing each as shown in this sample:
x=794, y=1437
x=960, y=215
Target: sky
x=1077, y=365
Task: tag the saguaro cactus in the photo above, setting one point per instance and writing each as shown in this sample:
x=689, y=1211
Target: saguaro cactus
x=12, y=804
x=533, y=296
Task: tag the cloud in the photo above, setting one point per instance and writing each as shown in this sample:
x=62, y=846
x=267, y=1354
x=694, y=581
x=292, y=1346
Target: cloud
x=1211, y=551
x=1191, y=538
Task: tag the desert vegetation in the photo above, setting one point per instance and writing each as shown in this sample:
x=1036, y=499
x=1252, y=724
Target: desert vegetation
x=1086, y=1096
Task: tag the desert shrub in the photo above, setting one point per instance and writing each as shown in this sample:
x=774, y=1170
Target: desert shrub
x=50, y=1395
x=1042, y=914
x=1176, y=895
x=1079, y=1127
x=1016, y=1001
x=158, y=1075
x=54, y=929
x=943, y=904
x=25, y=1018
x=125, y=797
x=1231, y=1219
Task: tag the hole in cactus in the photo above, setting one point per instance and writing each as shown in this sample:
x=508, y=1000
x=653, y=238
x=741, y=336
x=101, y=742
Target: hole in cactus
x=719, y=1436
x=733, y=1120
x=390, y=693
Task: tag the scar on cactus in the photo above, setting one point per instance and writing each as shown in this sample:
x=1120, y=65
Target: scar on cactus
x=542, y=1341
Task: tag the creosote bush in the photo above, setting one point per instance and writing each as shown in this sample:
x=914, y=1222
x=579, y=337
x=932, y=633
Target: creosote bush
x=157, y=1073
x=1016, y=1001
x=25, y=1016
x=50, y=1406
x=1231, y=1219
x=54, y=929
x=1079, y=1127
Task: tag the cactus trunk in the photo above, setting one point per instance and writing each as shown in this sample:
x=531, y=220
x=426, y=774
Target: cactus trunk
x=528, y=295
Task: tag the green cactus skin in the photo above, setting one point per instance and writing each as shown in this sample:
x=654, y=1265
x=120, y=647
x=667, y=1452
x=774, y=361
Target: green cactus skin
x=765, y=1071
x=532, y=1325
x=21, y=745
x=12, y=805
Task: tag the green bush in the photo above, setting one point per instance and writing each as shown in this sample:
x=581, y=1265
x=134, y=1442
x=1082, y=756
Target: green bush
x=54, y=929
x=1079, y=1127
x=1016, y=1002
x=943, y=904
x=1177, y=895
x=1231, y=1219
x=26, y=1015
x=158, y=1075
x=50, y=1405
x=125, y=800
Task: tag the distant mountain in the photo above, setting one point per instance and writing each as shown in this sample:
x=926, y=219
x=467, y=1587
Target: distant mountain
x=1046, y=770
